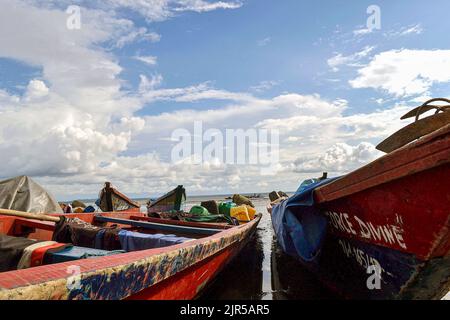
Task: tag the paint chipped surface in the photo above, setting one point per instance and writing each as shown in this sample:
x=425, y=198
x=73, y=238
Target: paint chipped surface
x=121, y=281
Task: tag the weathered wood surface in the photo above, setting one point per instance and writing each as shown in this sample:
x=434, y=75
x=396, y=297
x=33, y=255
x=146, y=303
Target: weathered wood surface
x=414, y=131
x=123, y=275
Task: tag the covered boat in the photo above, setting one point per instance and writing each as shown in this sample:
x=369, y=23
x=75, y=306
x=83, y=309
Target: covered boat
x=24, y=194
x=171, y=201
x=110, y=199
x=119, y=255
x=382, y=231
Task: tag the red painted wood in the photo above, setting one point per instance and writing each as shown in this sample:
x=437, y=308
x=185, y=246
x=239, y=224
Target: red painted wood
x=44, y=225
x=417, y=205
x=20, y=278
x=187, y=284
x=7, y=224
x=407, y=191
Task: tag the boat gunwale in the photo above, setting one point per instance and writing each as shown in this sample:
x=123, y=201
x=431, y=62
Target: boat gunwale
x=19, y=284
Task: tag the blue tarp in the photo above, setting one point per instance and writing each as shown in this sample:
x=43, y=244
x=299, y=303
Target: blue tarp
x=133, y=241
x=298, y=224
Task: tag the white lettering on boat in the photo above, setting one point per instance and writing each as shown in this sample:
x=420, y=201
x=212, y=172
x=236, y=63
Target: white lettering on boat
x=387, y=234
x=363, y=259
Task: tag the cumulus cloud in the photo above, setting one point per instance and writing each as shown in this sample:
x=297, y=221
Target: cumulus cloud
x=71, y=130
x=340, y=158
x=405, y=72
x=36, y=89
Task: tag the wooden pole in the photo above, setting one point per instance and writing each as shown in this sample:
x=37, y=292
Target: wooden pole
x=29, y=215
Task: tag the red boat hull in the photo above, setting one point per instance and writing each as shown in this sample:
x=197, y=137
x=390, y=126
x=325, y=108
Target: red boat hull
x=393, y=214
x=175, y=272
x=189, y=283
x=400, y=201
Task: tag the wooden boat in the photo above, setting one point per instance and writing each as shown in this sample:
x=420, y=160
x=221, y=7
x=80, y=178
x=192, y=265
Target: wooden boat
x=394, y=214
x=111, y=200
x=179, y=271
x=171, y=201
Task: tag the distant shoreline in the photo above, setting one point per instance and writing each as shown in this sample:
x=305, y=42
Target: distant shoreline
x=263, y=195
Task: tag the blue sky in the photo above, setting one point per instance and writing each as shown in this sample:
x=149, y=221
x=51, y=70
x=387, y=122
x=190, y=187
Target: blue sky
x=78, y=107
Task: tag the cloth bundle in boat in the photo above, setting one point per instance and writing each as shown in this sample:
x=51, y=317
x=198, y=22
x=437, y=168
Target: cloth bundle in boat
x=133, y=241
x=11, y=249
x=22, y=253
x=299, y=226
x=108, y=239
x=83, y=234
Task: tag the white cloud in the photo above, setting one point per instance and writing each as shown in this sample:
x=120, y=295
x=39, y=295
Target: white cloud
x=141, y=34
x=203, y=6
x=194, y=93
x=362, y=31
x=150, y=60
x=151, y=10
x=339, y=59
x=405, y=72
x=72, y=130
x=264, y=86
x=340, y=158
x=405, y=31
x=147, y=84
x=36, y=89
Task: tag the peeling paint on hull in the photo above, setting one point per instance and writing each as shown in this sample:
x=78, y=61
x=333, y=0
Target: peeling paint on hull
x=126, y=275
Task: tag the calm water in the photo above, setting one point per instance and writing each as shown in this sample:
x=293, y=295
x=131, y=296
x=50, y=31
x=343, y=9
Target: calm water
x=262, y=271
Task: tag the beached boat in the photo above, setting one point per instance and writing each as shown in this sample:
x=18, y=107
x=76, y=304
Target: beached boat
x=164, y=260
x=111, y=200
x=171, y=201
x=389, y=219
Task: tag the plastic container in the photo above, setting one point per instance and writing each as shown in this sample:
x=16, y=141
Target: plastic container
x=224, y=208
x=251, y=212
x=240, y=213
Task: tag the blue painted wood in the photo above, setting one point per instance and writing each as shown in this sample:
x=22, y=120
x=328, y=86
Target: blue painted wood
x=343, y=265
x=77, y=253
x=159, y=226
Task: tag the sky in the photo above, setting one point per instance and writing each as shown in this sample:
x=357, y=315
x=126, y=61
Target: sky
x=100, y=101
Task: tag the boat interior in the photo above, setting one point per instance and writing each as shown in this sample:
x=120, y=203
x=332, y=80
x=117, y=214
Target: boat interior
x=125, y=232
